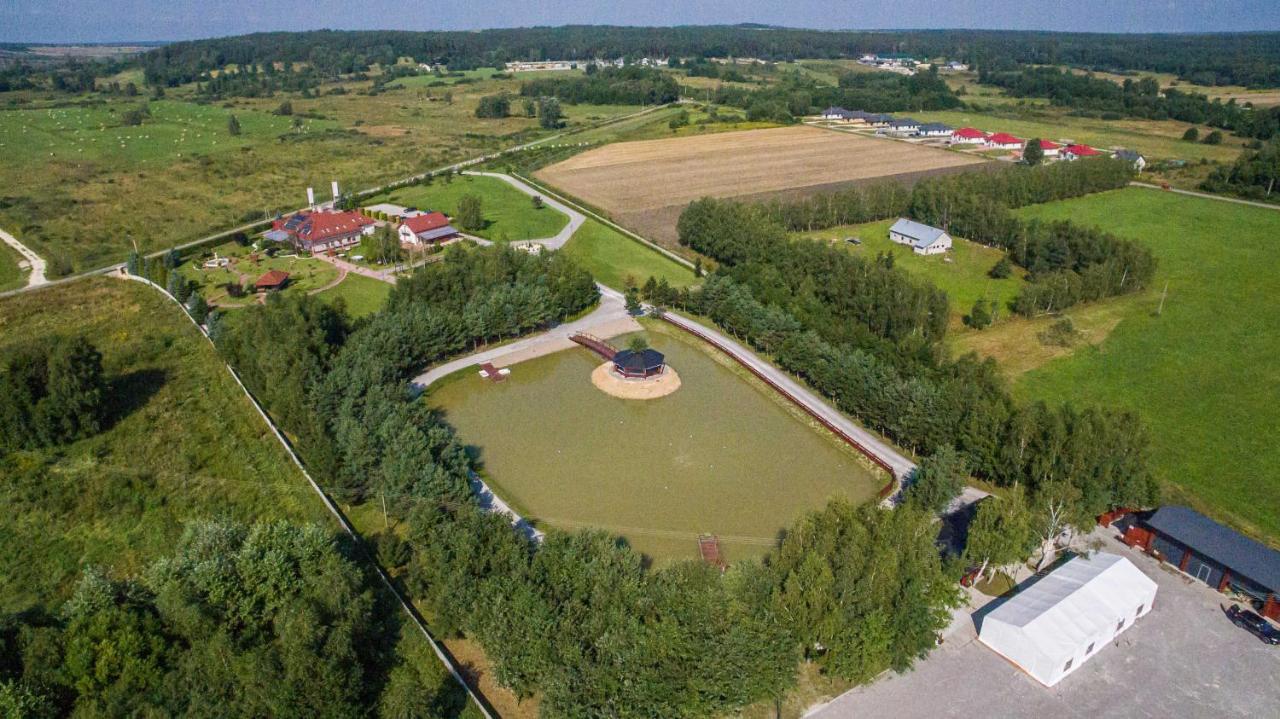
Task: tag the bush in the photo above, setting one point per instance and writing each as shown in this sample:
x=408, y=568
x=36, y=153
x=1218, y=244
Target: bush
x=1213, y=138
x=1191, y=135
x=1001, y=270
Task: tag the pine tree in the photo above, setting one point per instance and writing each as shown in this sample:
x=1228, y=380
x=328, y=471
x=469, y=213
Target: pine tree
x=233, y=125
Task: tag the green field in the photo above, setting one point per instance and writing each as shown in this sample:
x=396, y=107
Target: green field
x=615, y=259
x=1203, y=373
x=1157, y=139
x=509, y=214
x=10, y=276
x=961, y=272
x=183, y=443
x=361, y=295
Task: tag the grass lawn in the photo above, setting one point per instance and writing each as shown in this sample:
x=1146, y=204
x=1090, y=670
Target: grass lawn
x=305, y=274
x=1204, y=373
x=361, y=295
x=612, y=258
x=509, y=214
x=961, y=272
x=183, y=443
x=1157, y=139
x=10, y=276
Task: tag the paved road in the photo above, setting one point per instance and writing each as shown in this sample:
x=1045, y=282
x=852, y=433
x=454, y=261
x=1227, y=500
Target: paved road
x=1207, y=196
x=612, y=310
x=36, y=278
x=558, y=240
x=900, y=465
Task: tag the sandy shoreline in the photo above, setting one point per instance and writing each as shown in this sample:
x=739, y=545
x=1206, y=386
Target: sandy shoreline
x=611, y=384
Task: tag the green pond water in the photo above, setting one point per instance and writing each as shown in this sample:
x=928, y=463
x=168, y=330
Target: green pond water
x=723, y=454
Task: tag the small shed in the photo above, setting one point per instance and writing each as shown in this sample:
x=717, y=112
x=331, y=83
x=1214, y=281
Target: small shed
x=1056, y=624
x=645, y=363
x=921, y=238
x=271, y=281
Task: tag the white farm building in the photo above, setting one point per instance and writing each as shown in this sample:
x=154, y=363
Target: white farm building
x=923, y=239
x=1058, y=623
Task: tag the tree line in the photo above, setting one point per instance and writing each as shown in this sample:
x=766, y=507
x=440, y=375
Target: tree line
x=1251, y=59
x=579, y=619
x=796, y=94
x=630, y=85
x=269, y=619
x=1255, y=174
x=1134, y=98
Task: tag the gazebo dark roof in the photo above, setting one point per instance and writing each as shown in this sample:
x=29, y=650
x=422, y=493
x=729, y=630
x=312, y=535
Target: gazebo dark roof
x=1225, y=546
x=646, y=361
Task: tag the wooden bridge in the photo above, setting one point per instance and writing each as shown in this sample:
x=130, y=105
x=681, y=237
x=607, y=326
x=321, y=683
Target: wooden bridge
x=595, y=344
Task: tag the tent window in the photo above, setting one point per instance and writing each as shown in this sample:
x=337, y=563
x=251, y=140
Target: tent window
x=1140, y=608
x=1067, y=668
x=1089, y=650
x=1120, y=624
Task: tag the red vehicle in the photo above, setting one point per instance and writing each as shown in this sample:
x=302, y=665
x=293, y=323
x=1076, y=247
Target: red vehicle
x=970, y=576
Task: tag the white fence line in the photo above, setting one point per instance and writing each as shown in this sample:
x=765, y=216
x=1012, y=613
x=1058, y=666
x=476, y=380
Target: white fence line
x=328, y=503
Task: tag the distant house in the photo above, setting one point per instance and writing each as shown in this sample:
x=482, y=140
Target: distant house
x=906, y=126
x=956, y=66
x=839, y=114
x=968, y=136
x=1004, y=141
x=1051, y=149
x=426, y=228
x=875, y=120
x=271, y=281
x=1075, y=152
x=1133, y=158
x=923, y=239
x=324, y=230
x=934, y=129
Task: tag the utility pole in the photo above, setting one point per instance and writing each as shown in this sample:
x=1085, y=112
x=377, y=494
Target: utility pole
x=1163, y=295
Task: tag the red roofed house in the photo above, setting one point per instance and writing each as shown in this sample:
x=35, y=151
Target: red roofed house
x=968, y=136
x=426, y=228
x=1004, y=141
x=324, y=230
x=1051, y=149
x=1071, y=152
x=272, y=280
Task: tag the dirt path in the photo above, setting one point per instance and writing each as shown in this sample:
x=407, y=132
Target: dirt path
x=1207, y=196
x=342, y=275
x=557, y=240
x=37, y=276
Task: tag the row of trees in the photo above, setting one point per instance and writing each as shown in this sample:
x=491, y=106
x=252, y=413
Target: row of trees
x=1255, y=174
x=1134, y=98
x=630, y=85
x=264, y=620
x=52, y=391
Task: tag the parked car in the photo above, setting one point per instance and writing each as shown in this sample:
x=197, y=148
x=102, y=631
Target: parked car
x=1254, y=624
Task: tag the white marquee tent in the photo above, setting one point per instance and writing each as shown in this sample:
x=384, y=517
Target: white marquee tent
x=1055, y=625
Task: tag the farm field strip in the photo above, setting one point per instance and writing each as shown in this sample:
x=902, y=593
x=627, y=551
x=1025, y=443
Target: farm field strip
x=651, y=174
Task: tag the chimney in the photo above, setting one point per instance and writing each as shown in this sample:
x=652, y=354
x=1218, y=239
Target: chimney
x=311, y=198
x=335, y=191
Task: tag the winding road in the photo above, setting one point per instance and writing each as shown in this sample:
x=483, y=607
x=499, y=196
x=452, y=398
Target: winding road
x=557, y=240
x=37, y=276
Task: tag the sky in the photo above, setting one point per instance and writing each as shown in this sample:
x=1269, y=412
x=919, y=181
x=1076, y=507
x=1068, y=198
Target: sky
x=71, y=21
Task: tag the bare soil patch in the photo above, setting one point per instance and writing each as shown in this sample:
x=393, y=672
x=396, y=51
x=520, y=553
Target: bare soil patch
x=609, y=382
x=644, y=185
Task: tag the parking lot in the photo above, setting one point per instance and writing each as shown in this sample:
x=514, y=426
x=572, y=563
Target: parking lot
x=1184, y=659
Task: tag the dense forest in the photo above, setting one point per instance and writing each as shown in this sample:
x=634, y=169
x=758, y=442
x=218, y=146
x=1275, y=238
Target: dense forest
x=1134, y=98
x=579, y=619
x=1251, y=59
x=795, y=95
x=631, y=85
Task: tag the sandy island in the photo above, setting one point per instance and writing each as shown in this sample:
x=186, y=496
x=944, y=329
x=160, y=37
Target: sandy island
x=607, y=381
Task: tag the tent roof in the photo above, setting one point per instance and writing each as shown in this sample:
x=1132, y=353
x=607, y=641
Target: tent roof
x=1080, y=600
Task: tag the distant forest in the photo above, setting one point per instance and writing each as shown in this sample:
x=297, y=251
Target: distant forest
x=1251, y=59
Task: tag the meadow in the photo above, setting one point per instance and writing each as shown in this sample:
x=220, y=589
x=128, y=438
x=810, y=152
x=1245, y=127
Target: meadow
x=960, y=272
x=361, y=295
x=82, y=185
x=509, y=214
x=182, y=443
x=619, y=261
x=1202, y=372
x=11, y=277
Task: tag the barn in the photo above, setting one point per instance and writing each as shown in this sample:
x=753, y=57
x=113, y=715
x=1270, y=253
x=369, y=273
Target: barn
x=1205, y=550
x=1052, y=627
x=921, y=238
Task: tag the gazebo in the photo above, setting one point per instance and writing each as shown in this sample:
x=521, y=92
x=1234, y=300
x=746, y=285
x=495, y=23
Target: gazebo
x=645, y=363
x=272, y=280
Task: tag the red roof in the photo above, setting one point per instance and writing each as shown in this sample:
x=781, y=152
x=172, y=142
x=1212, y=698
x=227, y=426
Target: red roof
x=969, y=133
x=1047, y=145
x=1080, y=150
x=1004, y=138
x=426, y=223
x=312, y=227
x=273, y=278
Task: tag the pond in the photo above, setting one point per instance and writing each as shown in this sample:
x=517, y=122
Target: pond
x=724, y=454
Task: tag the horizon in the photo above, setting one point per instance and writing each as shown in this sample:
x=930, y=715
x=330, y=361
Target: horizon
x=71, y=22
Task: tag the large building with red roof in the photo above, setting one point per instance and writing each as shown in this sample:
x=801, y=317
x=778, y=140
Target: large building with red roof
x=1004, y=141
x=426, y=228
x=968, y=136
x=1071, y=152
x=322, y=230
